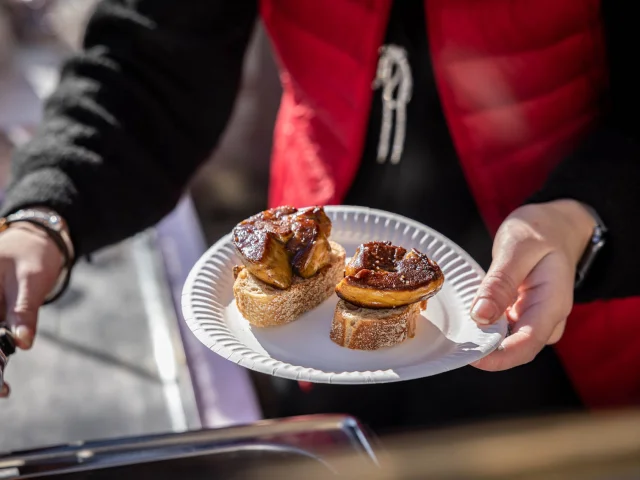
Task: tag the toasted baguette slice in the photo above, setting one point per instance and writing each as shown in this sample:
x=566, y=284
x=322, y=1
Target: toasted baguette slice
x=370, y=329
x=265, y=306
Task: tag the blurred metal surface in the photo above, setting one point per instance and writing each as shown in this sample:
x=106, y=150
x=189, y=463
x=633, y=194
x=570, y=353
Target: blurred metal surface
x=593, y=447
x=300, y=439
x=603, y=446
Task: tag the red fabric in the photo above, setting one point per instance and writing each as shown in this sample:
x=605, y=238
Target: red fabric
x=305, y=386
x=521, y=83
x=328, y=53
x=520, y=87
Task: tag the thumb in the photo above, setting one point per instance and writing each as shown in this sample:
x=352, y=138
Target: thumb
x=23, y=305
x=512, y=263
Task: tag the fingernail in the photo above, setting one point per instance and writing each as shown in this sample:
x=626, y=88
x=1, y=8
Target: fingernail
x=484, y=311
x=23, y=335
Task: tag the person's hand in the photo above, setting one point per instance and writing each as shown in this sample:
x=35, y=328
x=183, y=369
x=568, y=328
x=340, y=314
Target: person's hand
x=30, y=263
x=531, y=278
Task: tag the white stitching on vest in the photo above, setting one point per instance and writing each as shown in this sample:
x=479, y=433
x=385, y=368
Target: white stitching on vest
x=394, y=76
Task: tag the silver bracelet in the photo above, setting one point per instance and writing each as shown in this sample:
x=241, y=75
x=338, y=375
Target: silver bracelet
x=54, y=226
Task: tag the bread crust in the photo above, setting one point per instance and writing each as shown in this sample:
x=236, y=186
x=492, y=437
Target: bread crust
x=368, y=329
x=265, y=306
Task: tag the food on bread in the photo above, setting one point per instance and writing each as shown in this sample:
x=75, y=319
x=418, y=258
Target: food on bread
x=279, y=242
x=382, y=294
x=309, y=247
x=366, y=329
x=289, y=264
x=381, y=275
x=266, y=306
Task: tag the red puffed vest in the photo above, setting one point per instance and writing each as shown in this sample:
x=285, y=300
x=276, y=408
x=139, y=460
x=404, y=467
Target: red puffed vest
x=521, y=83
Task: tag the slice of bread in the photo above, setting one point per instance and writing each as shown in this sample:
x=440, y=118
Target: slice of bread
x=265, y=306
x=370, y=329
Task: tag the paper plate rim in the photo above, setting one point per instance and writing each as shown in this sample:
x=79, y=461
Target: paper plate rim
x=229, y=347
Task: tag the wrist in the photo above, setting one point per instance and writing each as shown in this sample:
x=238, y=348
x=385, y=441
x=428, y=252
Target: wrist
x=46, y=219
x=579, y=224
x=40, y=234
x=63, y=228
x=54, y=226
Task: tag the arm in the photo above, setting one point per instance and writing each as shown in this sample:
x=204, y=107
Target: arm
x=135, y=114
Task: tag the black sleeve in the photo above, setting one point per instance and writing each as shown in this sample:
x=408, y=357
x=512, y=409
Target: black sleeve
x=135, y=114
x=605, y=171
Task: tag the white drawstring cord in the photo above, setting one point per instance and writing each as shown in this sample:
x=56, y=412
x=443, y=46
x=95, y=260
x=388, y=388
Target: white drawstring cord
x=394, y=76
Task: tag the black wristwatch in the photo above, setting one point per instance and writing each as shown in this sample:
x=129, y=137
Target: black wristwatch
x=596, y=242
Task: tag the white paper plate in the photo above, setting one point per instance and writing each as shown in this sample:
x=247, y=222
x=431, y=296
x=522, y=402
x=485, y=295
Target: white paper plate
x=446, y=339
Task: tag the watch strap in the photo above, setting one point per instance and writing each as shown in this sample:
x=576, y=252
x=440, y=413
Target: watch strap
x=596, y=243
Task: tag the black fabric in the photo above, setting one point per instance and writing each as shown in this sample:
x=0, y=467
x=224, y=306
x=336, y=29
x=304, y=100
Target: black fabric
x=428, y=184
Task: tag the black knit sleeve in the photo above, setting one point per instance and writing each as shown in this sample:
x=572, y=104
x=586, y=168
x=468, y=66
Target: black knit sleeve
x=135, y=114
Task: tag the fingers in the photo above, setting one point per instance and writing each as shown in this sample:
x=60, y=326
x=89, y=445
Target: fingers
x=23, y=302
x=5, y=391
x=557, y=333
x=519, y=348
x=541, y=314
x=25, y=312
x=513, y=260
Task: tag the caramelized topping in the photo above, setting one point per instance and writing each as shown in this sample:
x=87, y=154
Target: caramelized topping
x=308, y=247
x=318, y=215
x=276, y=243
x=381, y=275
